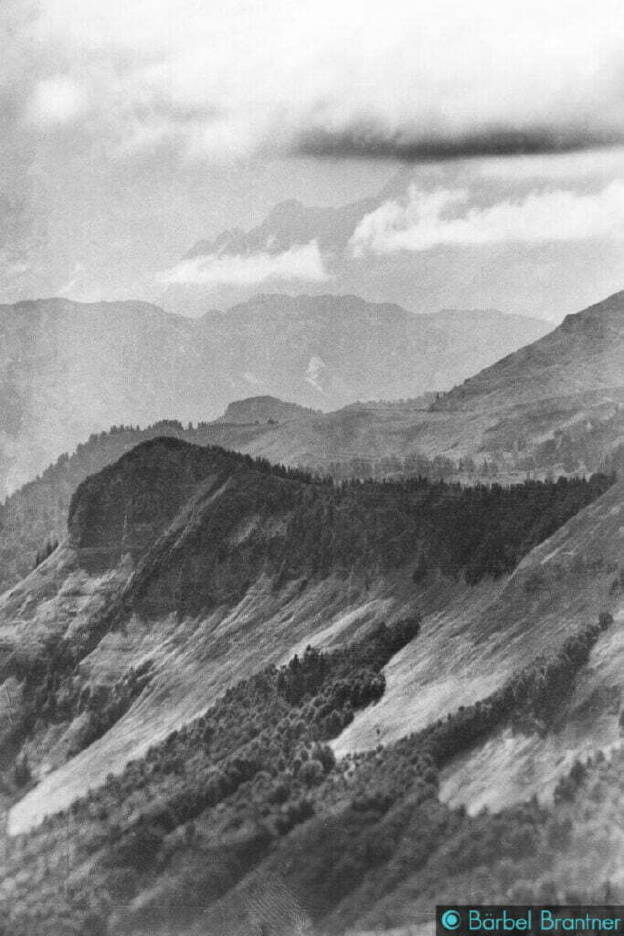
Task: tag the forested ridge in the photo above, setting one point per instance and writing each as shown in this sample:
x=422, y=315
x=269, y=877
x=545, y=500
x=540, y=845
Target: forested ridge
x=364, y=528
x=250, y=786
x=34, y=517
x=295, y=528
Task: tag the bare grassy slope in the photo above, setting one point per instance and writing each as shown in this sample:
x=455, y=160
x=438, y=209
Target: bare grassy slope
x=105, y=603
x=467, y=651
x=569, y=382
x=584, y=354
x=186, y=569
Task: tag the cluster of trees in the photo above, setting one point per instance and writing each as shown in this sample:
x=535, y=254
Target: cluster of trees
x=306, y=531
x=259, y=754
x=529, y=701
x=237, y=797
x=414, y=465
x=585, y=446
x=37, y=513
x=582, y=448
x=477, y=531
x=52, y=696
x=46, y=550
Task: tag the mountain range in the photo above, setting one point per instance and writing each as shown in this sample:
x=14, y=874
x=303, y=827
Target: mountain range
x=555, y=406
x=239, y=696
x=68, y=369
x=298, y=247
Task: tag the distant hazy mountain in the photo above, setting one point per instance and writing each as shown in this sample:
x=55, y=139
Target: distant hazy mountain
x=328, y=351
x=479, y=333
x=264, y=409
x=556, y=405
x=289, y=224
x=68, y=369
x=524, y=277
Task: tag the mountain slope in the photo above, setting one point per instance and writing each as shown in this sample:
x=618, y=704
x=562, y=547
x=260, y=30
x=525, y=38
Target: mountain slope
x=555, y=406
x=155, y=674
x=36, y=514
x=584, y=354
x=68, y=369
x=192, y=544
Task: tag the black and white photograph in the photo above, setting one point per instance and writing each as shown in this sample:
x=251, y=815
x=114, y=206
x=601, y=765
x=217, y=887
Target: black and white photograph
x=311, y=467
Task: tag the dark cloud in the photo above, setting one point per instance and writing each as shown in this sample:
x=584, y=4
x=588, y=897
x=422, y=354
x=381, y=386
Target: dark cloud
x=359, y=142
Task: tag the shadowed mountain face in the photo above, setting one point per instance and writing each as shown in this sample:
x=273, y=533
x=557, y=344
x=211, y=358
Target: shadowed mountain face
x=68, y=369
x=157, y=658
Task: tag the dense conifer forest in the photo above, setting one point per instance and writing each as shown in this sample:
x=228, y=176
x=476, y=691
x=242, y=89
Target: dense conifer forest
x=35, y=515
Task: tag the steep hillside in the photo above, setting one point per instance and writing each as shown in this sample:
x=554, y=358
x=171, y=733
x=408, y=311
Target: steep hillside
x=556, y=590
x=556, y=406
x=35, y=516
x=154, y=667
x=121, y=511
x=584, y=354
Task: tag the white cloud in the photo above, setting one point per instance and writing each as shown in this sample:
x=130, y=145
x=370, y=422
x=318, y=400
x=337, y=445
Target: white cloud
x=445, y=217
x=561, y=167
x=57, y=100
x=397, y=78
x=299, y=263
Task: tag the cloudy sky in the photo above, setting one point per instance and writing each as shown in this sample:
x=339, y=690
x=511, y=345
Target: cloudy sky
x=131, y=130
